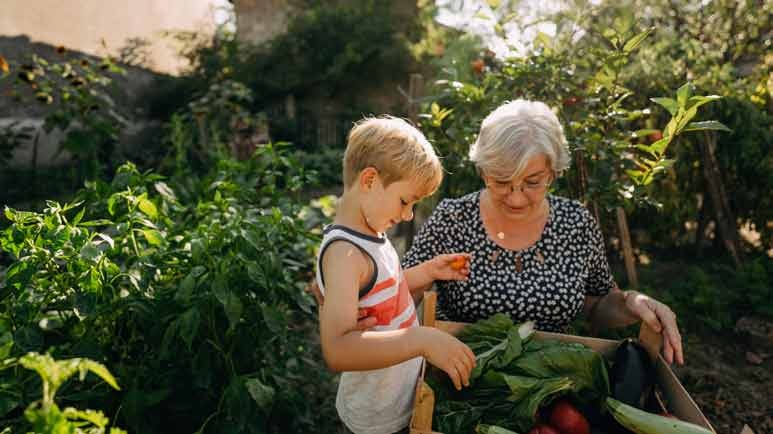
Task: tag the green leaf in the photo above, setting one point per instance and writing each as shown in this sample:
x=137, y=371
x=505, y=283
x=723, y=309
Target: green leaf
x=6, y=343
x=273, y=318
x=147, y=207
x=19, y=273
x=492, y=429
x=668, y=103
x=78, y=217
x=187, y=286
x=111, y=203
x=255, y=273
x=262, y=394
x=165, y=191
x=635, y=175
x=529, y=394
x=99, y=222
x=697, y=101
x=189, y=326
x=106, y=238
x=230, y=301
x=252, y=238
x=153, y=236
x=671, y=128
x=90, y=252
x=684, y=120
x=95, y=417
x=659, y=147
x=707, y=125
x=100, y=370
x=683, y=94
x=647, y=149
x=634, y=42
x=611, y=36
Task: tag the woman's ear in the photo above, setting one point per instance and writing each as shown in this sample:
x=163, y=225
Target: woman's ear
x=368, y=176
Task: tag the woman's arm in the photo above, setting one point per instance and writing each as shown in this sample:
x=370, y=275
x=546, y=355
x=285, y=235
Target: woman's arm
x=621, y=308
x=606, y=306
x=608, y=311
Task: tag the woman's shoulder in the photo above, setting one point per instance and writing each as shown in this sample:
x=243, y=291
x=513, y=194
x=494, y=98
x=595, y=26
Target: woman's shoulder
x=570, y=210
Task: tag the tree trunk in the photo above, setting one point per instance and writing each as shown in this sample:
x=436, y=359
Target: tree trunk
x=700, y=231
x=625, y=241
x=726, y=223
x=582, y=184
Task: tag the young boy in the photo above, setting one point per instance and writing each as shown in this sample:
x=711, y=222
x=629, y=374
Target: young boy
x=388, y=167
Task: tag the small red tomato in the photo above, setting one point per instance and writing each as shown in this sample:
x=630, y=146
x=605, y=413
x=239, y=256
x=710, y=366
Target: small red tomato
x=568, y=419
x=477, y=65
x=654, y=137
x=572, y=100
x=543, y=429
x=459, y=263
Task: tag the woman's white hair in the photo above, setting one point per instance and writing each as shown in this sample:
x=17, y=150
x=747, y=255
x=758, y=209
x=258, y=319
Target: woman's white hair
x=516, y=132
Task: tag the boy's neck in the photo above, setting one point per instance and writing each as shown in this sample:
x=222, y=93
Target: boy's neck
x=349, y=214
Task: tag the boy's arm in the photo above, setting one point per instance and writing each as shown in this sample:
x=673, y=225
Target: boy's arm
x=348, y=349
x=343, y=346
x=419, y=278
x=453, y=266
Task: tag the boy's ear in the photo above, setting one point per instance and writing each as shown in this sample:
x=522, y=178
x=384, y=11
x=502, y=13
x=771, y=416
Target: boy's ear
x=368, y=177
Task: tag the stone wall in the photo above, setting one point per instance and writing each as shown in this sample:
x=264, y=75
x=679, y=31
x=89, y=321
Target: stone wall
x=134, y=32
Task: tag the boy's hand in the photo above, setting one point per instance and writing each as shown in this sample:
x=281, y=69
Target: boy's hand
x=449, y=354
x=364, y=322
x=451, y=266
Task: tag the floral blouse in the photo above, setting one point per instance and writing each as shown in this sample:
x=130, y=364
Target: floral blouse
x=546, y=282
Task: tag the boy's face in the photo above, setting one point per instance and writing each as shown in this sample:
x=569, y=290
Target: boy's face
x=385, y=207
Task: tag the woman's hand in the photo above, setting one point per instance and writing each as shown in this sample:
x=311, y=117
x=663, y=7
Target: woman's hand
x=364, y=322
x=451, y=266
x=661, y=319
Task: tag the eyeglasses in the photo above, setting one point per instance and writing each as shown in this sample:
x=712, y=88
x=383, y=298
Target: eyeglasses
x=527, y=187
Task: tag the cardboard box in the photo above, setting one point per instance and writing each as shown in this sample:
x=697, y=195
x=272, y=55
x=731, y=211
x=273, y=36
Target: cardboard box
x=679, y=401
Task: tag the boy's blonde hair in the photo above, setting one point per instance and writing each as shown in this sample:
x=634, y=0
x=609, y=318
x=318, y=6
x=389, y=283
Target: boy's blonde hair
x=396, y=149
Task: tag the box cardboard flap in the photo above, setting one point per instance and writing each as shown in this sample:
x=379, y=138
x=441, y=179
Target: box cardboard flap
x=680, y=402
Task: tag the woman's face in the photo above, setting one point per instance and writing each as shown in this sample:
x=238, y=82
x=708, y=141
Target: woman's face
x=521, y=198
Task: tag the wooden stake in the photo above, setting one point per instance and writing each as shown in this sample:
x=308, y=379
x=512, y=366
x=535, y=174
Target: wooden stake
x=625, y=240
x=726, y=223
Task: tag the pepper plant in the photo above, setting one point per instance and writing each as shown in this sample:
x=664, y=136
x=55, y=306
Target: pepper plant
x=190, y=289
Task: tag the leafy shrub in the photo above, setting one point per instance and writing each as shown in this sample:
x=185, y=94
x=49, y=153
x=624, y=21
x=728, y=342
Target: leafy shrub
x=191, y=291
x=714, y=294
x=44, y=415
x=327, y=163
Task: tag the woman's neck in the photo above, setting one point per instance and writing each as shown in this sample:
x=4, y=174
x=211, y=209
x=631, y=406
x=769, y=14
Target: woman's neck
x=509, y=233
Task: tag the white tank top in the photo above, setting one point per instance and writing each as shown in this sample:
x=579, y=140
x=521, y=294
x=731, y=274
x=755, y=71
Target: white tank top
x=378, y=401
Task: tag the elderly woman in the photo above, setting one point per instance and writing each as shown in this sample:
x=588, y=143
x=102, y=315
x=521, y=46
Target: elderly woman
x=534, y=256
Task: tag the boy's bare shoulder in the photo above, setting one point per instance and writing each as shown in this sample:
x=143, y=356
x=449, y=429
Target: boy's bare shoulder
x=344, y=256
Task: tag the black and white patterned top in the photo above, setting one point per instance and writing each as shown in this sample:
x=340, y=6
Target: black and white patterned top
x=556, y=273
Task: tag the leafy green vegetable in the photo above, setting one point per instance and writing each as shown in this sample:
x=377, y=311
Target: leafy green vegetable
x=514, y=377
x=493, y=429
